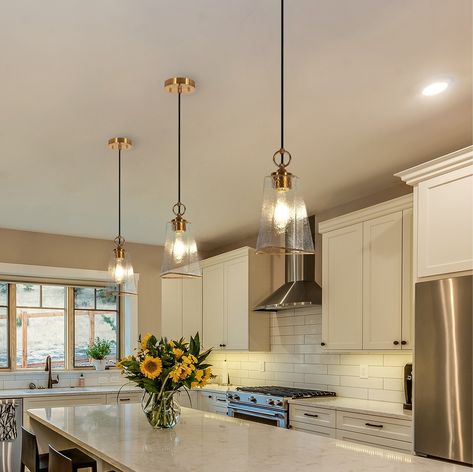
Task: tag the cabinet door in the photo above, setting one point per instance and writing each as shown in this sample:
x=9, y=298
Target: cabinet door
x=236, y=304
x=171, y=308
x=382, y=278
x=213, y=306
x=445, y=223
x=342, y=272
x=407, y=318
x=191, y=307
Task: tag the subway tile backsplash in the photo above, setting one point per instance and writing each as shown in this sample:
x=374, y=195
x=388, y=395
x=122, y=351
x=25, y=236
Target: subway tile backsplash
x=297, y=360
x=21, y=380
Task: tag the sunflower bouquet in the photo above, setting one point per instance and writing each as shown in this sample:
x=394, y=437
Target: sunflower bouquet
x=161, y=368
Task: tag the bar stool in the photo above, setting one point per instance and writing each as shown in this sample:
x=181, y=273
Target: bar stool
x=36, y=462
x=58, y=462
x=30, y=457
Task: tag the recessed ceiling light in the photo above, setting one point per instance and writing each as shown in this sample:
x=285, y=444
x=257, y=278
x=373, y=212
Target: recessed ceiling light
x=435, y=88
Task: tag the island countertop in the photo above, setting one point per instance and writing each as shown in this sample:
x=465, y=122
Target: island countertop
x=121, y=436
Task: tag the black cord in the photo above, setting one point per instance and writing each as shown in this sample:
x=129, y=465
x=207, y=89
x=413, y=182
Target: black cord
x=282, y=77
x=179, y=147
x=119, y=192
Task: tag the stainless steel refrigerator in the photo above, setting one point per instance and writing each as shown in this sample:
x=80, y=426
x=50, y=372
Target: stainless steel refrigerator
x=443, y=369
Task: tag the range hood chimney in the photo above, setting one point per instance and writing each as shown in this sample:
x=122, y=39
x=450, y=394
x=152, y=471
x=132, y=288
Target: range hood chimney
x=300, y=289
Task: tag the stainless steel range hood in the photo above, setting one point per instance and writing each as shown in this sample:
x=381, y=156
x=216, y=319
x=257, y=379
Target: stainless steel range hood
x=300, y=289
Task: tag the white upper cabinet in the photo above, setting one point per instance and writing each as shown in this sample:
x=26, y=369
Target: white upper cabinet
x=443, y=205
x=233, y=283
x=367, y=278
x=181, y=307
x=382, y=282
x=342, y=272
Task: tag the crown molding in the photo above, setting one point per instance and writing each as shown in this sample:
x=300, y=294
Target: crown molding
x=441, y=165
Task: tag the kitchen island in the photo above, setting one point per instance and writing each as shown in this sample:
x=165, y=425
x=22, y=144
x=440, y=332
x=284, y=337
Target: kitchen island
x=120, y=438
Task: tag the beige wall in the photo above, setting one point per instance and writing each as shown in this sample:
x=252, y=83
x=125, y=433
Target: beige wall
x=23, y=247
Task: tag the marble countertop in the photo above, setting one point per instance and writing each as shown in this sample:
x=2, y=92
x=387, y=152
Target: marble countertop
x=24, y=393
x=373, y=407
x=206, y=442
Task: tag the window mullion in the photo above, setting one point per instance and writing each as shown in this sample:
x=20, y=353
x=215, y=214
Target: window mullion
x=70, y=328
x=12, y=324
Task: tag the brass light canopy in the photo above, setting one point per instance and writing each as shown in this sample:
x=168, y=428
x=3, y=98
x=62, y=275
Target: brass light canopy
x=181, y=258
x=120, y=269
x=182, y=85
x=122, y=144
x=284, y=226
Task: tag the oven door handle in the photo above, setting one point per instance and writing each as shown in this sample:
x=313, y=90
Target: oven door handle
x=258, y=413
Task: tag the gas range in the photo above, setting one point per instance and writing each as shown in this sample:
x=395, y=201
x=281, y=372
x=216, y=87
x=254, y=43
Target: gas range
x=267, y=404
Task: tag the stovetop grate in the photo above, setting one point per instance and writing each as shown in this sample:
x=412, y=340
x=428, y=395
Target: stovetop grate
x=287, y=392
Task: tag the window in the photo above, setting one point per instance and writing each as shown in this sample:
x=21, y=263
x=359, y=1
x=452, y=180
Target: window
x=40, y=325
x=95, y=315
x=55, y=320
x=4, y=345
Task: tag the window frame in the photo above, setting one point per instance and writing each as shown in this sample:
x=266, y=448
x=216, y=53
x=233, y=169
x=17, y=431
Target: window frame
x=69, y=322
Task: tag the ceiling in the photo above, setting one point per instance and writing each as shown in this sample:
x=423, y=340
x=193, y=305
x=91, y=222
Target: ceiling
x=75, y=73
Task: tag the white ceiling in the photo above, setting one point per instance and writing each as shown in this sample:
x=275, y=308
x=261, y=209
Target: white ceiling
x=75, y=72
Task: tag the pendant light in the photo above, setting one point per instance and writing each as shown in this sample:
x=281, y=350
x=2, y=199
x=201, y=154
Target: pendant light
x=180, y=259
x=120, y=269
x=284, y=227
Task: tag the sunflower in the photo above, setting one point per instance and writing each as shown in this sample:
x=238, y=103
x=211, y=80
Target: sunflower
x=178, y=352
x=176, y=374
x=144, y=340
x=151, y=367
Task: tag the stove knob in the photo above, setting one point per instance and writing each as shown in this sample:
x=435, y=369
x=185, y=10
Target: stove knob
x=236, y=397
x=279, y=403
x=271, y=402
x=252, y=399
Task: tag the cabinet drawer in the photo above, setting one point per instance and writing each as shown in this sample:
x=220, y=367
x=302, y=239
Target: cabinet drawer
x=373, y=425
x=311, y=416
x=313, y=429
x=374, y=441
x=113, y=398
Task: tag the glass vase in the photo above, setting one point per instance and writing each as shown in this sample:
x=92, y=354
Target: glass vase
x=161, y=410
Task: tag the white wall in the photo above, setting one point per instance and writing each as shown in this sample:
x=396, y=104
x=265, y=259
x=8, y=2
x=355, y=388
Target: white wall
x=297, y=360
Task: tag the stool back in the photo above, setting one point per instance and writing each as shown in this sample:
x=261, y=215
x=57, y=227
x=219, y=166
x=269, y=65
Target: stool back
x=29, y=450
x=58, y=462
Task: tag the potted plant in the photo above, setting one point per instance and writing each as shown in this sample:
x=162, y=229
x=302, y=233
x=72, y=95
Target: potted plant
x=161, y=368
x=98, y=351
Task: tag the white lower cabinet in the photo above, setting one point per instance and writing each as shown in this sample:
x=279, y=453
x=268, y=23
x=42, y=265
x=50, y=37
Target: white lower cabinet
x=372, y=430
x=124, y=397
x=212, y=402
x=187, y=399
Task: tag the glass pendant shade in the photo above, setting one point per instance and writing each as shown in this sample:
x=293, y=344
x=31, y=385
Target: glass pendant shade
x=121, y=274
x=284, y=227
x=180, y=258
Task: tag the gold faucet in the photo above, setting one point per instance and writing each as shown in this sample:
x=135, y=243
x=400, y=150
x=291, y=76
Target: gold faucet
x=49, y=369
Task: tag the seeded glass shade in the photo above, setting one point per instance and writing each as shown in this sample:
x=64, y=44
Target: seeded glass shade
x=120, y=271
x=284, y=227
x=180, y=258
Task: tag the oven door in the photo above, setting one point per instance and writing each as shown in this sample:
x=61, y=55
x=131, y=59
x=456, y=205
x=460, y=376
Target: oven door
x=258, y=414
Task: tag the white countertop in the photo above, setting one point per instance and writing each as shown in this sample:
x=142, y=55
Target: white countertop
x=371, y=407
x=205, y=442
x=24, y=393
